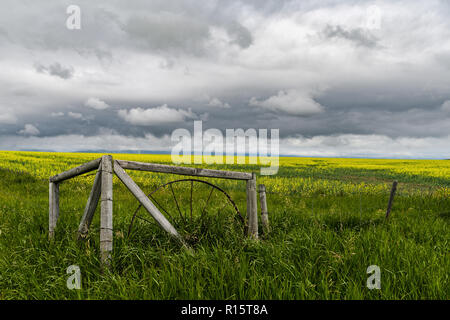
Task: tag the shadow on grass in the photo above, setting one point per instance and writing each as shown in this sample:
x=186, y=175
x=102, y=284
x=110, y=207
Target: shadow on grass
x=445, y=215
x=10, y=177
x=352, y=223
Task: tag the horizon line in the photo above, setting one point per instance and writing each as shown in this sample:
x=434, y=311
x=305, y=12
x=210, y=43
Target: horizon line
x=160, y=152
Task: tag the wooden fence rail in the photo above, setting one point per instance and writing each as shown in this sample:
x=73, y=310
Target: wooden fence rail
x=91, y=205
x=186, y=171
x=72, y=173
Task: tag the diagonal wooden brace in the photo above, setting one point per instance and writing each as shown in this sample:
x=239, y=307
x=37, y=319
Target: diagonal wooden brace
x=91, y=205
x=146, y=203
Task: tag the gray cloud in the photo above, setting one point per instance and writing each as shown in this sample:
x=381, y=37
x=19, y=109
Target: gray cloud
x=7, y=118
x=291, y=102
x=153, y=116
x=311, y=69
x=29, y=130
x=240, y=35
x=96, y=103
x=166, y=31
x=359, y=36
x=446, y=106
x=55, y=69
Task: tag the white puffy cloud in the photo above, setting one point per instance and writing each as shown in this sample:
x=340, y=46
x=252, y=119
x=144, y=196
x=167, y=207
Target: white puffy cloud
x=75, y=115
x=215, y=102
x=158, y=115
x=210, y=101
x=446, y=106
x=29, y=130
x=292, y=102
x=7, y=118
x=96, y=103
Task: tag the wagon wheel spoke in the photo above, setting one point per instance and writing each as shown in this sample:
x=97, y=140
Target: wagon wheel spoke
x=220, y=210
x=176, y=201
x=159, y=205
x=216, y=200
x=132, y=220
x=146, y=220
x=207, y=201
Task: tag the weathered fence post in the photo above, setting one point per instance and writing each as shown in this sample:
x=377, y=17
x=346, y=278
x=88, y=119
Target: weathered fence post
x=391, y=199
x=53, y=208
x=106, y=214
x=91, y=205
x=252, y=208
x=264, y=213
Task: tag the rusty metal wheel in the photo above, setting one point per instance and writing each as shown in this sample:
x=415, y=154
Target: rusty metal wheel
x=194, y=207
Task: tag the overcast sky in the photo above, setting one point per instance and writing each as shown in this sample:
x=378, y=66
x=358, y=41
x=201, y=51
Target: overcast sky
x=337, y=78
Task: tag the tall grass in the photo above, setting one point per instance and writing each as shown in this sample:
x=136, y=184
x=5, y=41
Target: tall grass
x=326, y=230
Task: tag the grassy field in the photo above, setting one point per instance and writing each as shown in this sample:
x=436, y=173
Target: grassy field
x=328, y=226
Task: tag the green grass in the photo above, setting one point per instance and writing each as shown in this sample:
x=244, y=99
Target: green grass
x=327, y=224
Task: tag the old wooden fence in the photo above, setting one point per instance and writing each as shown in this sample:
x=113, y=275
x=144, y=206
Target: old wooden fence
x=102, y=191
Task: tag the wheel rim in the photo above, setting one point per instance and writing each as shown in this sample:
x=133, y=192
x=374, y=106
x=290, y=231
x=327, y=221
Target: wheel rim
x=182, y=212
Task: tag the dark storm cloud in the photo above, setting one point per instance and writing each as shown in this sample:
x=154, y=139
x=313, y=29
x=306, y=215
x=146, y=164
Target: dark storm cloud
x=55, y=69
x=185, y=29
x=359, y=36
x=167, y=32
x=169, y=27
x=240, y=35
